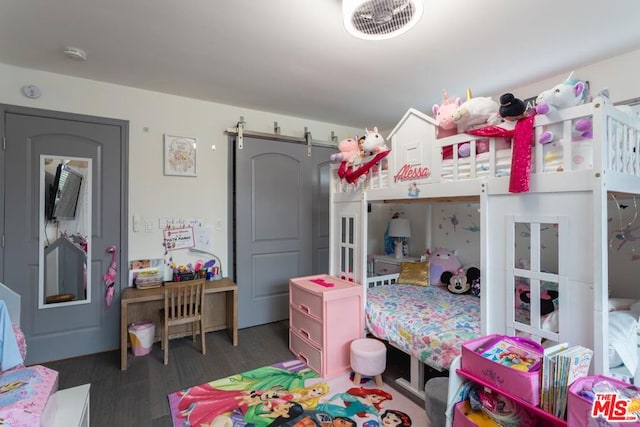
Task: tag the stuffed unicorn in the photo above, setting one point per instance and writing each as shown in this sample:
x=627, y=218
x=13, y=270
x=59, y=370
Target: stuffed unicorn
x=475, y=111
x=374, y=142
x=569, y=93
x=443, y=114
x=349, y=151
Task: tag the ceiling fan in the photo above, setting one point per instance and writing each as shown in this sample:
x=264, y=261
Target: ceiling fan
x=380, y=19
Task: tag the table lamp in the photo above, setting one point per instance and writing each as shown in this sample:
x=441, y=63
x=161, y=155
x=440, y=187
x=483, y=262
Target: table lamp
x=399, y=229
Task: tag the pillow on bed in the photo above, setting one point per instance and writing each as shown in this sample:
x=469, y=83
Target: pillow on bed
x=414, y=273
x=623, y=326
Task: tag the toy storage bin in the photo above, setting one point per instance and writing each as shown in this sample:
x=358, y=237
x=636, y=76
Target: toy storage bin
x=26, y=392
x=141, y=335
x=523, y=384
x=579, y=408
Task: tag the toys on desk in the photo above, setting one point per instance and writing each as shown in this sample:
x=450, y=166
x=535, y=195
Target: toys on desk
x=210, y=270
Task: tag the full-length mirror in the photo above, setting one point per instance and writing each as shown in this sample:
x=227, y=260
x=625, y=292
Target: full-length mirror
x=65, y=231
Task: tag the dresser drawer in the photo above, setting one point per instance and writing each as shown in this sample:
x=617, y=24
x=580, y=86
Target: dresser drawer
x=305, y=351
x=306, y=326
x=380, y=268
x=306, y=302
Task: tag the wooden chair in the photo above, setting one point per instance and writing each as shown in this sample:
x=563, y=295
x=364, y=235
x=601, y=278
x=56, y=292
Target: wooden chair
x=183, y=303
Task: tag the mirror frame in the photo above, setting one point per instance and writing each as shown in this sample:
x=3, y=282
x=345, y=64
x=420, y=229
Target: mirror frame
x=87, y=213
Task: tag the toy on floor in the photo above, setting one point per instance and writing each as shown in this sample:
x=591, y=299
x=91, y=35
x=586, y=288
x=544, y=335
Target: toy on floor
x=569, y=93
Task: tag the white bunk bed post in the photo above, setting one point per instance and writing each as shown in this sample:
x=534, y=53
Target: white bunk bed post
x=600, y=269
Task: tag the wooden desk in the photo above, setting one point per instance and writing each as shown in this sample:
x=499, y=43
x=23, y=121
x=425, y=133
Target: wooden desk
x=146, y=304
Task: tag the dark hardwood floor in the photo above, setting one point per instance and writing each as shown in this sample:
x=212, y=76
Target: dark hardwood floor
x=138, y=396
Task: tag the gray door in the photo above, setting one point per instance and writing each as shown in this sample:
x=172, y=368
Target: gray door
x=321, y=180
x=64, y=331
x=277, y=211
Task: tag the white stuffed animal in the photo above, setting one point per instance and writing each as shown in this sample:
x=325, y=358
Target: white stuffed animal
x=374, y=142
x=570, y=93
x=475, y=111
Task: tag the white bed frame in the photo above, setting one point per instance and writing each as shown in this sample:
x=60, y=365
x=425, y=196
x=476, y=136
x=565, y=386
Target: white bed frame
x=575, y=200
x=415, y=383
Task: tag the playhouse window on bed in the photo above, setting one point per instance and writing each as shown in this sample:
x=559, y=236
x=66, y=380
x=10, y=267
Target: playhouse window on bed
x=347, y=248
x=537, y=261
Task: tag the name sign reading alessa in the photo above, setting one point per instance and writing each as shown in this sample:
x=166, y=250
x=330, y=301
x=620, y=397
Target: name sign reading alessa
x=408, y=172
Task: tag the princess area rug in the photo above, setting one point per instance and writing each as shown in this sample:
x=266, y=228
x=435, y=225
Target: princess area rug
x=290, y=394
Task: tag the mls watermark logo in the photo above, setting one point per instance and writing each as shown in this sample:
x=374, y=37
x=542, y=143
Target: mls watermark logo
x=613, y=408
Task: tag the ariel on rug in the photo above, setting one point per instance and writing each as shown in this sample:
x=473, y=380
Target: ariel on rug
x=292, y=395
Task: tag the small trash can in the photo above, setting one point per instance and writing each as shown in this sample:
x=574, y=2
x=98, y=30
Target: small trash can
x=141, y=335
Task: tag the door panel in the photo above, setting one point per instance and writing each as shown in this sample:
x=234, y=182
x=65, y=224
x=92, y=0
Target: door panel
x=66, y=331
x=281, y=223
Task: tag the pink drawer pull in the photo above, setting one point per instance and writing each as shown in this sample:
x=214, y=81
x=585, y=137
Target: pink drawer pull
x=305, y=333
x=304, y=308
x=304, y=359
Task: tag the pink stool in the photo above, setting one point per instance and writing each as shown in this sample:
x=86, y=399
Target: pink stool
x=369, y=359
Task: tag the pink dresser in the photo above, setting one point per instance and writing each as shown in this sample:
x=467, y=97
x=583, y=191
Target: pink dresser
x=325, y=315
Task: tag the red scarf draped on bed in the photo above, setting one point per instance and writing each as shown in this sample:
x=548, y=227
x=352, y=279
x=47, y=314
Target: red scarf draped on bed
x=521, y=151
x=352, y=173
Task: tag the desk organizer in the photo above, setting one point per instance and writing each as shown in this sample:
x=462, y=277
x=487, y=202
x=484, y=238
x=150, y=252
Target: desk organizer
x=523, y=384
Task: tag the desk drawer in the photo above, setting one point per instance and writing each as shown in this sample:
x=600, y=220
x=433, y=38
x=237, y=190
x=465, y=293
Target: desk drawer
x=306, y=302
x=380, y=268
x=306, y=326
x=305, y=351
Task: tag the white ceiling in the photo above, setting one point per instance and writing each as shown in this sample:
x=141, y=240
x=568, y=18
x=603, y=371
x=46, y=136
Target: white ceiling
x=293, y=57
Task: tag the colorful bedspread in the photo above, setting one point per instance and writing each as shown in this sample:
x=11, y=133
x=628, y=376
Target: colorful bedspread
x=429, y=323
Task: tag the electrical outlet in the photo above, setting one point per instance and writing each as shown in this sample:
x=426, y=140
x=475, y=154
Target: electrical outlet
x=148, y=225
x=219, y=225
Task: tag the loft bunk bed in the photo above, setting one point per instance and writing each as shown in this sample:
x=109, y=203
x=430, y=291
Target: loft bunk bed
x=567, y=190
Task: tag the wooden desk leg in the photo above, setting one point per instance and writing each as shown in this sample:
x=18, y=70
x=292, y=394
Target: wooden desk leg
x=123, y=336
x=232, y=315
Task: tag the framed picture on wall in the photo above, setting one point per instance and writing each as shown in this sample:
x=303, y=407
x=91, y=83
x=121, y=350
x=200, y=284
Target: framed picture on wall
x=180, y=155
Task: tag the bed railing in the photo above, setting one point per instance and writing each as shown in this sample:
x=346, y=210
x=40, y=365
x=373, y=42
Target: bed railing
x=387, y=279
x=614, y=146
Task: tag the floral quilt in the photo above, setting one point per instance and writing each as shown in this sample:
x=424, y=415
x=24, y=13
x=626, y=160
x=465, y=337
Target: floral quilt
x=429, y=323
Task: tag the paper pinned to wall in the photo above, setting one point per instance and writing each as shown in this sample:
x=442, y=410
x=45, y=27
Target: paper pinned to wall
x=203, y=235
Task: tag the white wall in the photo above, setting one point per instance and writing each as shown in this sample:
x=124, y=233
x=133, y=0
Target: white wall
x=150, y=114
x=618, y=74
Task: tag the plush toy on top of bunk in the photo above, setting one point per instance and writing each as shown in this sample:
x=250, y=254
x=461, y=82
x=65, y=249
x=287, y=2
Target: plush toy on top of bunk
x=349, y=151
x=570, y=93
x=461, y=282
x=374, y=142
x=355, y=167
x=475, y=111
x=443, y=113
